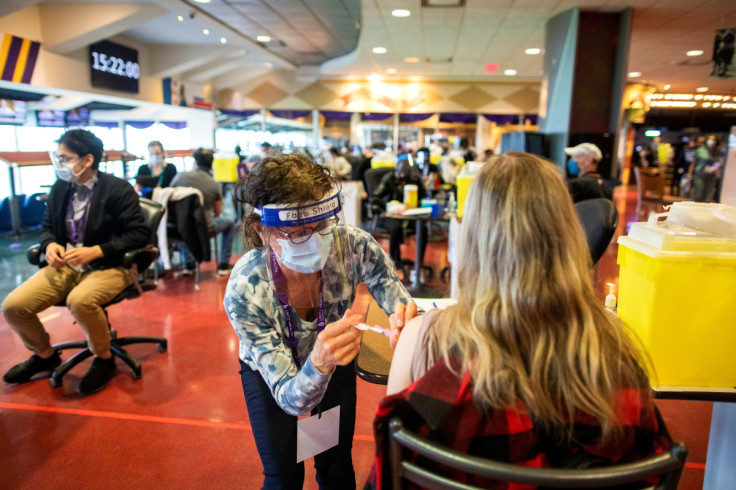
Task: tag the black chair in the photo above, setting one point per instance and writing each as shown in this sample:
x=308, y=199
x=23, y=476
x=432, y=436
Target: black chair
x=599, y=218
x=187, y=225
x=135, y=260
x=375, y=205
x=6, y=221
x=33, y=210
x=405, y=445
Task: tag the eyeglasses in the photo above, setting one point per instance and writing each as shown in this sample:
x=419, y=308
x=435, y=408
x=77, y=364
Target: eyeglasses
x=301, y=235
x=62, y=159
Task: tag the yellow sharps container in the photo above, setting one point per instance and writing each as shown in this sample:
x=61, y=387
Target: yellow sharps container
x=677, y=292
x=225, y=167
x=463, y=181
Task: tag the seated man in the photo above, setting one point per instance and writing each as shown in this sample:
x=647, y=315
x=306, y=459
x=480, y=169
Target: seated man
x=201, y=179
x=583, y=164
x=391, y=188
x=91, y=220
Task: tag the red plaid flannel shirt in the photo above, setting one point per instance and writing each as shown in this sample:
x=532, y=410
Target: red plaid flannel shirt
x=439, y=407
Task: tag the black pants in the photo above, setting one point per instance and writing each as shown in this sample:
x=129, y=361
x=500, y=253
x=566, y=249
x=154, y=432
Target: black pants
x=396, y=238
x=275, y=433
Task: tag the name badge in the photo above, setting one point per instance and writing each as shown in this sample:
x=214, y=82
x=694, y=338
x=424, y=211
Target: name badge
x=317, y=434
x=80, y=267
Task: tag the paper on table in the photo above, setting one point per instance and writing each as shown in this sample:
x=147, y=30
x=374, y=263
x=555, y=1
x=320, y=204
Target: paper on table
x=427, y=304
x=417, y=211
x=317, y=434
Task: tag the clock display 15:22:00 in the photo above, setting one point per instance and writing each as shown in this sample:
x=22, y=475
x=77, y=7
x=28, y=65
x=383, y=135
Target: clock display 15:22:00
x=115, y=65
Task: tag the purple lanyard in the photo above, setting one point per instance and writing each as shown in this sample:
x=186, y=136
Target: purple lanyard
x=278, y=280
x=77, y=226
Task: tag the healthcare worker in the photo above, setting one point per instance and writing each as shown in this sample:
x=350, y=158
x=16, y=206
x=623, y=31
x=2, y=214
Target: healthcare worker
x=289, y=301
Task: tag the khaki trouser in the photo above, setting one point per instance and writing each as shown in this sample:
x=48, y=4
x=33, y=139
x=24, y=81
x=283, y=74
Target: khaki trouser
x=84, y=293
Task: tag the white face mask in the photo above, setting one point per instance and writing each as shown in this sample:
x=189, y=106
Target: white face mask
x=306, y=257
x=155, y=159
x=66, y=173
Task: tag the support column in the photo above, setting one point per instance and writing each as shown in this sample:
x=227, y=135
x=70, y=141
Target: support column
x=355, y=136
x=586, y=55
x=396, y=133
x=316, y=130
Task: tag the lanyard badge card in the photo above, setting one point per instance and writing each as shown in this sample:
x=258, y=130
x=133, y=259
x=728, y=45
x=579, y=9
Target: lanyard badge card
x=317, y=434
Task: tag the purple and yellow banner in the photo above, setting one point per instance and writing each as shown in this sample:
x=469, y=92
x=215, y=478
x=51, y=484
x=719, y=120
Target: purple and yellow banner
x=18, y=58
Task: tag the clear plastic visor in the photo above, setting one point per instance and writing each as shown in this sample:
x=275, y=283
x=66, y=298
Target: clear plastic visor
x=306, y=246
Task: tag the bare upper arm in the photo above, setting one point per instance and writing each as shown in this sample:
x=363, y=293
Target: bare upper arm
x=399, y=376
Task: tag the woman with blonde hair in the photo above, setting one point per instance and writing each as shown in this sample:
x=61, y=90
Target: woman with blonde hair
x=528, y=367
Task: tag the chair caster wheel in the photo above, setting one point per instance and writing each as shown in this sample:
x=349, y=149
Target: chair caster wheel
x=162, y=347
x=136, y=375
x=54, y=382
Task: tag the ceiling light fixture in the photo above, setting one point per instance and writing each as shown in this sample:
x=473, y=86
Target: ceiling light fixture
x=206, y=32
x=180, y=18
x=203, y=1
x=391, y=71
x=411, y=59
x=263, y=39
x=695, y=52
x=634, y=74
x=443, y=3
x=223, y=40
x=400, y=13
x=379, y=50
x=374, y=77
x=533, y=51
x=667, y=87
x=509, y=73
x=701, y=89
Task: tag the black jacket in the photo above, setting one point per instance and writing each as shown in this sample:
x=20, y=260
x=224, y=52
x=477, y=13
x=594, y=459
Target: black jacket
x=115, y=221
x=187, y=222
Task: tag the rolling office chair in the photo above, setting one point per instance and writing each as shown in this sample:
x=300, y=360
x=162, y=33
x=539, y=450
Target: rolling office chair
x=137, y=261
x=423, y=471
x=374, y=205
x=599, y=218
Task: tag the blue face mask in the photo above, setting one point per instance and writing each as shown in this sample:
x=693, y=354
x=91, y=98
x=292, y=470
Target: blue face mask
x=572, y=167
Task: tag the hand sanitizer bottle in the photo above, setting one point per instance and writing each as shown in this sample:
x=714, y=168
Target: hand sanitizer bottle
x=611, y=298
x=451, y=204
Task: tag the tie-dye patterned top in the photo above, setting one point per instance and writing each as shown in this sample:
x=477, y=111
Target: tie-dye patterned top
x=259, y=320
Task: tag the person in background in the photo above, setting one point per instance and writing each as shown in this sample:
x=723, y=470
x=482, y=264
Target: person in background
x=430, y=172
x=157, y=166
x=289, y=300
x=339, y=165
x=528, y=367
x=91, y=221
x=266, y=150
x=684, y=158
x=583, y=166
x=468, y=152
x=705, y=167
x=449, y=167
x=201, y=178
x=391, y=188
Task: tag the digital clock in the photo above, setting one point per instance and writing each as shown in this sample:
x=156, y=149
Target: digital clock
x=114, y=67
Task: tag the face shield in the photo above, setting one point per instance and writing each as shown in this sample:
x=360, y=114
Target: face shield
x=300, y=242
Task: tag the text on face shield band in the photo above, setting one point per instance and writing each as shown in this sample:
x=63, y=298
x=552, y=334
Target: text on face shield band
x=280, y=215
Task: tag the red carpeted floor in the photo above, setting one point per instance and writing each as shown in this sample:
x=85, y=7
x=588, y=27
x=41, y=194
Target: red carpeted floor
x=184, y=424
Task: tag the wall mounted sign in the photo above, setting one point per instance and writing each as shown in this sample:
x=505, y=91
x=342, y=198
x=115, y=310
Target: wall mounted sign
x=114, y=67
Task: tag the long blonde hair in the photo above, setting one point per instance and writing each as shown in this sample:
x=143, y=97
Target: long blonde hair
x=528, y=326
